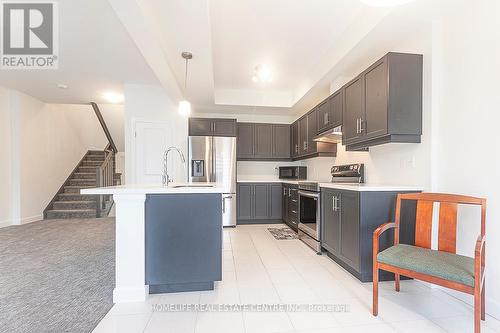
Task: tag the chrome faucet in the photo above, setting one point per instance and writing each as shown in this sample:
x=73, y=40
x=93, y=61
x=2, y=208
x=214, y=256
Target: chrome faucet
x=165, y=179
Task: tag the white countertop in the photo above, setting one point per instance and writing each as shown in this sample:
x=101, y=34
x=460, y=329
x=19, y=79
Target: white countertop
x=155, y=189
x=348, y=187
x=294, y=182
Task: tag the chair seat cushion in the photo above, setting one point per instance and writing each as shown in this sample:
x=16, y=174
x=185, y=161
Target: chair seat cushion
x=444, y=265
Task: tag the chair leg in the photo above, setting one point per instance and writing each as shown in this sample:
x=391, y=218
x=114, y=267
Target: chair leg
x=396, y=281
x=477, y=310
x=483, y=308
x=375, y=290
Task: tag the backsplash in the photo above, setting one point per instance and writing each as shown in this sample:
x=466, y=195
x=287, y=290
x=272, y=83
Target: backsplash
x=260, y=170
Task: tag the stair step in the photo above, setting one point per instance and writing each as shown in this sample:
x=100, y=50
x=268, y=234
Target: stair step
x=82, y=182
x=91, y=164
x=75, y=188
x=94, y=158
x=85, y=175
x=71, y=213
x=72, y=205
x=87, y=169
x=76, y=197
x=96, y=152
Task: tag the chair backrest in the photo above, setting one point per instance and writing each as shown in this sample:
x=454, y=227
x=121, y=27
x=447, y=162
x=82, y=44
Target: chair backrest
x=447, y=217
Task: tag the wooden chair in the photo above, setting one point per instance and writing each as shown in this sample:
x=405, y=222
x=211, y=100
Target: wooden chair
x=443, y=266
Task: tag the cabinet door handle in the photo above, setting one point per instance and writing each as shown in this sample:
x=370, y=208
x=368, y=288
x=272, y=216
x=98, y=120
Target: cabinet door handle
x=294, y=212
x=337, y=205
x=289, y=191
x=284, y=191
x=325, y=119
x=296, y=148
x=361, y=129
x=357, y=125
x=334, y=209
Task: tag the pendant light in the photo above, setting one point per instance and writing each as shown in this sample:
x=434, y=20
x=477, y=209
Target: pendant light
x=184, y=105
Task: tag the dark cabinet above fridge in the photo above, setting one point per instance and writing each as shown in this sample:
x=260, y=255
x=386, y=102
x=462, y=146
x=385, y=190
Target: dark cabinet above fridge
x=212, y=127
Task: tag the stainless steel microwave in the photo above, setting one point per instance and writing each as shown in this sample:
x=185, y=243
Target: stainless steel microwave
x=293, y=172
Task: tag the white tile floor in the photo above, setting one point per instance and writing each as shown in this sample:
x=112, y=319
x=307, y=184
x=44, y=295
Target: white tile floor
x=259, y=269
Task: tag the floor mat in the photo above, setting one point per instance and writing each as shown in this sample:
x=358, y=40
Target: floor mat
x=283, y=233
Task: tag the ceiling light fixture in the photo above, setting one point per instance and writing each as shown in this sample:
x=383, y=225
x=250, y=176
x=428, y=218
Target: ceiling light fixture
x=184, y=105
x=113, y=97
x=262, y=73
x=62, y=86
x=385, y=3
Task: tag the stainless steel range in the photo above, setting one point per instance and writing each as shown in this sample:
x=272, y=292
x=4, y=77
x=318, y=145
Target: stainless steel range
x=310, y=202
x=348, y=174
x=309, y=215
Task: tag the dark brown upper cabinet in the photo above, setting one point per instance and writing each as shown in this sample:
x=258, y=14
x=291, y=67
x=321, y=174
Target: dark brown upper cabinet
x=324, y=116
x=281, y=141
x=212, y=127
x=353, y=111
x=303, y=145
x=295, y=147
x=263, y=142
x=312, y=127
x=384, y=103
x=303, y=139
x=245, y=141
x=329, y=112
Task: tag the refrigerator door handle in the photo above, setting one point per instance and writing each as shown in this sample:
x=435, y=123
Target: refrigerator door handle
x=213, y=166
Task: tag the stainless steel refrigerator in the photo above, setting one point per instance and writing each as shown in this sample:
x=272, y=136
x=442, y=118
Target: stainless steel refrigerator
x=213, y=159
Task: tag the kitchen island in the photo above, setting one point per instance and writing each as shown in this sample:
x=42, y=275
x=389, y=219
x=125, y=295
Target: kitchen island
x=168, y=239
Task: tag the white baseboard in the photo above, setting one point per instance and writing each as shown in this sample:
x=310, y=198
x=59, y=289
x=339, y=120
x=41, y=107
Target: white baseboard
x=5, y=223
x=131, y=294
x=30, y=219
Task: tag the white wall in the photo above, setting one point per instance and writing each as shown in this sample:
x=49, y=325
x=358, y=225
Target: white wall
x=5, y=160
x=151, y=104
x=469, y=116
x=40, y=144
x=50, y=148
x=89, y=129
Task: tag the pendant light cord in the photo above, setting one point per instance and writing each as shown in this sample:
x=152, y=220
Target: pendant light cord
x=185, y=80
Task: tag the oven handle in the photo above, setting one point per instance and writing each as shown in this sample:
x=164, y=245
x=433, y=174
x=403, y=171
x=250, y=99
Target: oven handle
x=315, y=196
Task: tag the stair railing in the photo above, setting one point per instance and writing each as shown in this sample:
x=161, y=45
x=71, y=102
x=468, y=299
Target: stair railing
x=105, y=175
x=98, y=113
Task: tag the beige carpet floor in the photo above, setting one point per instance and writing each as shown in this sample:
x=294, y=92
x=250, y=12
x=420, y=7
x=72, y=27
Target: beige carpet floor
x=56, y=275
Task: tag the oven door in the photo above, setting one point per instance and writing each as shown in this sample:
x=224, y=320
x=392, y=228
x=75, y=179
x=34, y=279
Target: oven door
x=309, y=210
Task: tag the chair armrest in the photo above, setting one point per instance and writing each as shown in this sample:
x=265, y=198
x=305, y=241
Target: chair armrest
x=379, y=231
x=479, y=259
x=479, y=246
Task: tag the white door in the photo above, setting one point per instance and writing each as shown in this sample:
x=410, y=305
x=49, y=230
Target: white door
x=151, y=140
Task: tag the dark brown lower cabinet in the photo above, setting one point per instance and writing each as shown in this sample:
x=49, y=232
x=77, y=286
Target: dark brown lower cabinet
x=348, y=219
x=290, y=204
x=259, y=203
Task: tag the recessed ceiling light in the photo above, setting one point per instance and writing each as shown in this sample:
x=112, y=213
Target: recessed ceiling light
x=262, y=73
x=113, y=97
x=385, y=3
x=62, y=86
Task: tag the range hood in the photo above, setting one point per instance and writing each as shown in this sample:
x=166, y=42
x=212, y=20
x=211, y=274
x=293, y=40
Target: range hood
x=331, y=136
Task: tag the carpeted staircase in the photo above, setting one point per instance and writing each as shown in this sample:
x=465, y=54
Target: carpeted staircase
x=69, y=203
